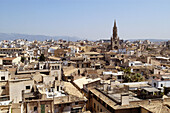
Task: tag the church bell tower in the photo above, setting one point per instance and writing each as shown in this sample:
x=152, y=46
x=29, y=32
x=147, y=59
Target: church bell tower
x=114, y=38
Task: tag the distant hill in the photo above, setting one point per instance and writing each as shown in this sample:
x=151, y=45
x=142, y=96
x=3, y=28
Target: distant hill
x=132, y=40
x=152, y=40
x=13, y=36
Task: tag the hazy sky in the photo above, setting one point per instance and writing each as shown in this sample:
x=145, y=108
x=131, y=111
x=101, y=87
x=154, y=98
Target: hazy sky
x=88, y=19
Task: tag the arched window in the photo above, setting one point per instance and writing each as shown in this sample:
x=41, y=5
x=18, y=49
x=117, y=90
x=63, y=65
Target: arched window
x=154, y=84
x=115, y=47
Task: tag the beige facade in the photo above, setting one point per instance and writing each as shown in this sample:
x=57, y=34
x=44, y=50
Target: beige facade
x=11, y=61
x=10, y=50
x=17, y=86
x=86, y=48
x=4, y=75
x=48, y=79
x=4, y=85
x=98, y=107
x=143, y=110
x=39, y=106
x=4, y=88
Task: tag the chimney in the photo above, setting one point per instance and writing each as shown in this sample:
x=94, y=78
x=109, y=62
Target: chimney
x=124, y=99
x=112, y=82
x=105, y=87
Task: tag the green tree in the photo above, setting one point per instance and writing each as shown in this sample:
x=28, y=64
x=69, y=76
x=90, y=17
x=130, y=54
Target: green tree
x=42, y=57
x=130, y=77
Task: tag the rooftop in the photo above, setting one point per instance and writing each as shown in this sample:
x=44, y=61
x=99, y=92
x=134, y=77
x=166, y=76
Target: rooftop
x=151, y=89
x=9, y=58
x=84, y=80
x=91, y=53
x=54, y=58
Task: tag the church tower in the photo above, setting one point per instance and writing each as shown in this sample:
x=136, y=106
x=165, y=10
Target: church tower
x=115, y=38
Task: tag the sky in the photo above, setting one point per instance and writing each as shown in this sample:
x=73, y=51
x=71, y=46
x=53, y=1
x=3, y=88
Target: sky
x=87, y=19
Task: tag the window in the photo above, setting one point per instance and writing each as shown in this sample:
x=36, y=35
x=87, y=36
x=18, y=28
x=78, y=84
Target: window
x=161, y=85
x=100, y=110
x=154, y=84
x=94, y=105
x=119, y=77
x=2, y=87
x=58, y=67
x=57, y=88
x=52, y=67
x=56, y=78
x=112, y=55
x=79, y=70
x=27, y=87
x=3, y=78
x=115, y=47
x=35, y=108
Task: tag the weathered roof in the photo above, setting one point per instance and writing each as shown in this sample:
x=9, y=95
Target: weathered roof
x=84, y=80
x=54, y=58
x=2, y=55
x=9, y=58
x=71, y=90
x=91, y=53
x=152, y=89
x=76, y=58
x=68, y=71
x=157, y=107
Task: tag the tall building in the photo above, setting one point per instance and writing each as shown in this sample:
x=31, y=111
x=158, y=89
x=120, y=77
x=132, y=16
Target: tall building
x=115, y=39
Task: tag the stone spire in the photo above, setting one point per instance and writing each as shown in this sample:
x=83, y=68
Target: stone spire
x=115, y=30
x=115, y=24
x=115, y=38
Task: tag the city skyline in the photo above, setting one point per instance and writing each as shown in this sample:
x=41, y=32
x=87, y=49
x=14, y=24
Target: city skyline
x=86, y=19
x=84, y=56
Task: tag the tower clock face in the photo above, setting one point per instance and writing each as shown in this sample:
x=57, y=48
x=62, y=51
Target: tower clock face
x=115, y=47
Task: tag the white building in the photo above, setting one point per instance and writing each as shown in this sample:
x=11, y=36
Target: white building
x=118, y=75
x=135, y=63
x=160, y=81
